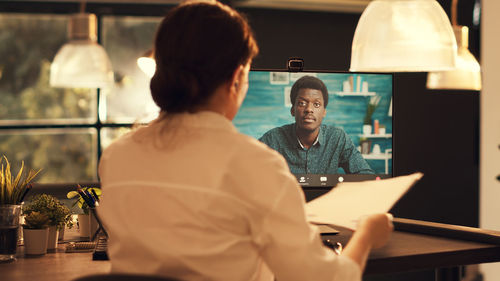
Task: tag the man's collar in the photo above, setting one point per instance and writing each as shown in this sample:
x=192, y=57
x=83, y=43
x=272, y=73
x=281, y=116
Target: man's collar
x=319, y=139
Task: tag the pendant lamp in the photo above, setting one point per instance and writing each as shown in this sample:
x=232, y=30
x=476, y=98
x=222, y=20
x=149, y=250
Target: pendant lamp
x=467, y=74
x=403, y=35
x=147, y=63
x=82, y=62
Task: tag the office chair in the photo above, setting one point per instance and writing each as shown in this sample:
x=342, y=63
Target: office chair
x=123, y=277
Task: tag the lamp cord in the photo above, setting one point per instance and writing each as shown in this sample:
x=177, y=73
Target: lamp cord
x=82, y=6
x=454, y=12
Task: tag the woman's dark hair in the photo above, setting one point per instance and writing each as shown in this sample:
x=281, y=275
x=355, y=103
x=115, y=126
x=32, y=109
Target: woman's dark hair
x=308, y=82
x=198, y=47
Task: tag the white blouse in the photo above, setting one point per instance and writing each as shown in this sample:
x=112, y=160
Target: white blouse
x=191, y=198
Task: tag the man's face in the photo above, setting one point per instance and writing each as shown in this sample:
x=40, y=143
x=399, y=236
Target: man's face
x=309, y=109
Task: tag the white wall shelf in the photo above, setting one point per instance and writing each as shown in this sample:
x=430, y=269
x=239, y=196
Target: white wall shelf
x=377, y=156
x=376, y=136
x=380, y=156
x=355, y=94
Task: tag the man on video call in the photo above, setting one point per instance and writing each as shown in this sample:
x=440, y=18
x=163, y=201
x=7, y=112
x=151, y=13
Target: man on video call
x=308, y=146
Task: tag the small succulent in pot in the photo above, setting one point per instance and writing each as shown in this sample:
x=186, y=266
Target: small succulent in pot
x=36, y=220
x=59, y=215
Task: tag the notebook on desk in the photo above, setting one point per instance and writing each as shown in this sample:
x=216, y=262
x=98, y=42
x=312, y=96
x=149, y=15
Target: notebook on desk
x=326, y=229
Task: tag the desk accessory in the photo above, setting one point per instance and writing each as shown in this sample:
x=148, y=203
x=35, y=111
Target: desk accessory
x=335, y=246
x=101, y=248
x=92, y=200
x=86, y=198
x=80, y=247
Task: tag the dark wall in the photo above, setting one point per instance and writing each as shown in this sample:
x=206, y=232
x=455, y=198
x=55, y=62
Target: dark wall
x=435, y=132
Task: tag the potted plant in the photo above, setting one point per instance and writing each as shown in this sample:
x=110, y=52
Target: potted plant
x=370, y=109
x=59, y=215
x=86, y=221
x=12, y=193
x=36, y=233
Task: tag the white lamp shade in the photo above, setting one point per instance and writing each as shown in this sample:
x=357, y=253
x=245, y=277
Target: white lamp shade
x=466, y=75
x=147, y=65
x=403, y=35
x=81, y=64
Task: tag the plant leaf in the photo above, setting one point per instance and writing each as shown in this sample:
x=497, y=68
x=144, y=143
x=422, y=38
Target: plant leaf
x=2, y=184
x=19, y=174
x=72, y=194
x=8, y=181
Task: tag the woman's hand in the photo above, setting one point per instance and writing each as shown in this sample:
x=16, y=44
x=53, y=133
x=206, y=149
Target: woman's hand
x=373, y=232
x=376, y=229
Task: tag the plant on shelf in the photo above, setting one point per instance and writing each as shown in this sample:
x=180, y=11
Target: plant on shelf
x=13, y=190
x=59, y=215
x=370, y=109
x=36, y=233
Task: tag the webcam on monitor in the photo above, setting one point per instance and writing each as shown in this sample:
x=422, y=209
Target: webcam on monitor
x=295, y=64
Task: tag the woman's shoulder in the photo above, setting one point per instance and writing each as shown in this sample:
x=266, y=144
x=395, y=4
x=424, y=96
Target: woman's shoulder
x=259, y=153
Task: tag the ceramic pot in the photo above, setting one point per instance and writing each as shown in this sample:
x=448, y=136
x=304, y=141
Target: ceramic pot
x=84, y=225
x=93, y=225
x=52, y=240
x=367, y=129
x=35, y=241
x=61, y=234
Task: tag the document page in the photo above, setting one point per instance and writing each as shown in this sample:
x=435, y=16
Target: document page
x=348, y=201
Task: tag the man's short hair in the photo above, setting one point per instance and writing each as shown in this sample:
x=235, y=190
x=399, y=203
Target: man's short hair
x=308, y=82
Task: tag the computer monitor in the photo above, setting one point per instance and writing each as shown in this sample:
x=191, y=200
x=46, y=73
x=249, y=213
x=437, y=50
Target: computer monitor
x=268, y=106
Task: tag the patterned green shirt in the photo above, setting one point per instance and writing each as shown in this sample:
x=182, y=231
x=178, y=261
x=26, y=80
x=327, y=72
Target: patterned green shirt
x=332, y=150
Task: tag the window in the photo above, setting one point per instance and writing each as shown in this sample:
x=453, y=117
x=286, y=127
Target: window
x=62, y=131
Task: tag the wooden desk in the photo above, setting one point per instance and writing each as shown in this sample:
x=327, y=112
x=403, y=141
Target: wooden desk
x=58, y=266
x=55, y=266
x=404, y=252
x=410, y=252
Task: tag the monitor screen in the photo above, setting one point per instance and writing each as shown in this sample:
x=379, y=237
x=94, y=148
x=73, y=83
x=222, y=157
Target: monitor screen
x=338, y=126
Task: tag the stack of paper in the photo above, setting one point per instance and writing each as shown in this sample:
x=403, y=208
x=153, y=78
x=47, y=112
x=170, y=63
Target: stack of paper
x=348, y=201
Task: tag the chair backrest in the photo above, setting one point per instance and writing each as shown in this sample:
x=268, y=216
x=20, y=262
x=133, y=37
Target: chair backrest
x=123, y=277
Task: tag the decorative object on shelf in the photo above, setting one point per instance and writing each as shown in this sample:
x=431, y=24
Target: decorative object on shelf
x=12, y=193
x=36, y=233
x=82, y=62
x=87, y=221
x=367, y=129
x=355, y=86
x=403, y=35
x=59, y=215
x=365, y=145
x=370, y=109
x=381, y=129
x=467, y=74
